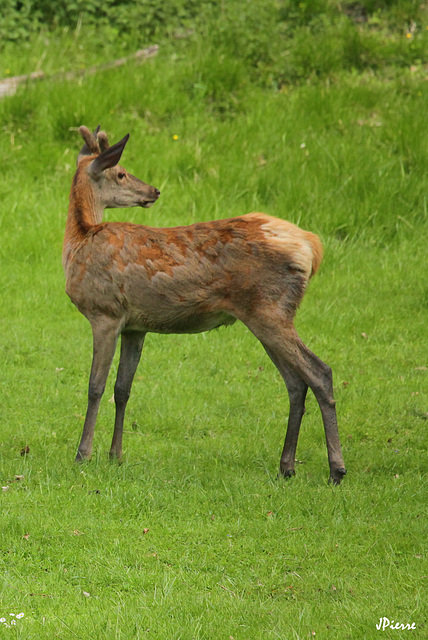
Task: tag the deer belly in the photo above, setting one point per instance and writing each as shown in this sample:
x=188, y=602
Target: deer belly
x=178, y=323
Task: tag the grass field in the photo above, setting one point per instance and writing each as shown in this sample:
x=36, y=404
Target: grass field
x=193, y=536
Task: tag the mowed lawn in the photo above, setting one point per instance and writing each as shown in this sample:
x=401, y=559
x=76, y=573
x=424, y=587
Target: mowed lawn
x=193, y=536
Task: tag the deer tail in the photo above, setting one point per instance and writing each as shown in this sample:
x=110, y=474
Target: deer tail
x=317, y=252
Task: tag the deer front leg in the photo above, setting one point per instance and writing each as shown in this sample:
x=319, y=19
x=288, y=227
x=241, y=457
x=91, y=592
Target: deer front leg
x=105, y=335
x=130, y=353
x=297, y=389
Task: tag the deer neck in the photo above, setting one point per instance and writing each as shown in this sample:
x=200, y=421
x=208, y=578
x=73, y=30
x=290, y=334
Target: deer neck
x=85, y=210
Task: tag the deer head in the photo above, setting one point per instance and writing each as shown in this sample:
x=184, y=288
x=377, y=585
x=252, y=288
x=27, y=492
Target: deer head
x=111, y=184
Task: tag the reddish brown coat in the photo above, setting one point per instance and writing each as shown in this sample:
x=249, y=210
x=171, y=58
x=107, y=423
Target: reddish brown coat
x=132, y=279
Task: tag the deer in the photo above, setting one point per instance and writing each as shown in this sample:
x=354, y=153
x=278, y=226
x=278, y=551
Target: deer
x=131, y=279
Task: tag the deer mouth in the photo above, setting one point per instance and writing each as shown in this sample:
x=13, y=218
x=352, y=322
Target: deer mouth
x=147, y=202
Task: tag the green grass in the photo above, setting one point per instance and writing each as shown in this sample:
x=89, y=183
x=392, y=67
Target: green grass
x=193, y=536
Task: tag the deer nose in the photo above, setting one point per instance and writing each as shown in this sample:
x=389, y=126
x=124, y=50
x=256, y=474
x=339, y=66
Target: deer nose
x=157, y=192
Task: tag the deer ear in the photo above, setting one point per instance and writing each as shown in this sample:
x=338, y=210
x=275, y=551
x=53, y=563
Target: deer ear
x=108, y=158
x=91, y=145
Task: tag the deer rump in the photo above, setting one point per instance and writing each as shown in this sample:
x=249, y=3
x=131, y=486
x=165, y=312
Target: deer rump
x=193, y=278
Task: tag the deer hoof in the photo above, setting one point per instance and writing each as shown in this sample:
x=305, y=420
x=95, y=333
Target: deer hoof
x=336, y=475
x=81, y=457
x=286, y=473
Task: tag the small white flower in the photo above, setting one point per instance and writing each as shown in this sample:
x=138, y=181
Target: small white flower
x=11, y=614
x=2, y=619
x=13, y=622
x=19, y=615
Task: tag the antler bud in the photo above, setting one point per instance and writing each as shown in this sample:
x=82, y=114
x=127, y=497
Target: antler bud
x=103, y=141
x=91, y=146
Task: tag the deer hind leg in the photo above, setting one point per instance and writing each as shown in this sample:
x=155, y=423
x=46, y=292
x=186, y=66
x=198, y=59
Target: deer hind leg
x=130, y=353
x=281, y=339
x=105, y=334
x=297, y=389
x=320, y=379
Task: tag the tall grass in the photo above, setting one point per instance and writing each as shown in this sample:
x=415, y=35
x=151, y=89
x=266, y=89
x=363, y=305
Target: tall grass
x=193, y=536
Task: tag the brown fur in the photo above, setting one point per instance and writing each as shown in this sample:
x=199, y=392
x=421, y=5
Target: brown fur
x=132, y=279
x=227, y=266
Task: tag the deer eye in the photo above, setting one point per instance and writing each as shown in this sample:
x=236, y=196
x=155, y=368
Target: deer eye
x=121, y=176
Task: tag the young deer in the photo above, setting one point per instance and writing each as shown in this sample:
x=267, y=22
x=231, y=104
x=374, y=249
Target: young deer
x=130, y=279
